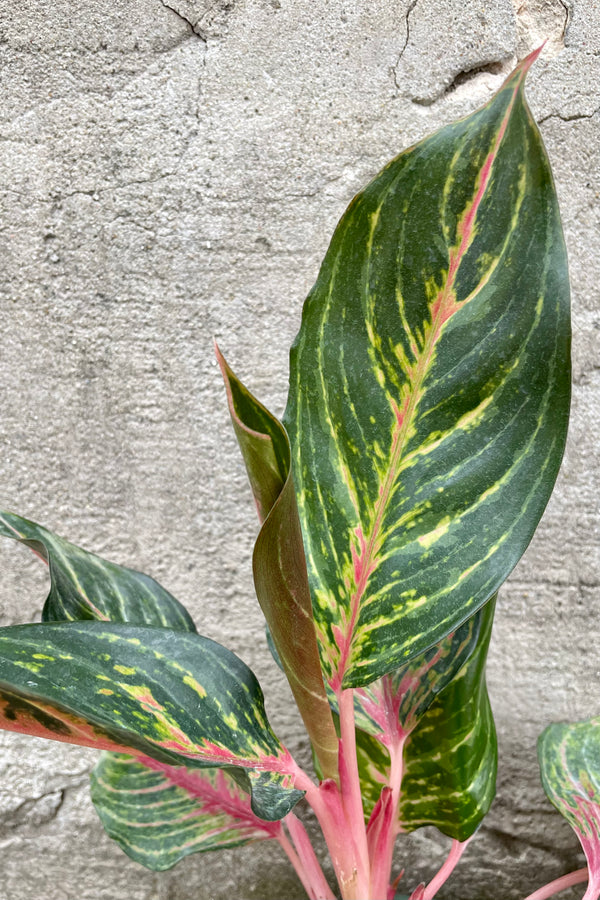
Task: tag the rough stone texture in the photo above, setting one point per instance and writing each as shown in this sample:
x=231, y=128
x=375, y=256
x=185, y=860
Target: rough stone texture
x=173, y=171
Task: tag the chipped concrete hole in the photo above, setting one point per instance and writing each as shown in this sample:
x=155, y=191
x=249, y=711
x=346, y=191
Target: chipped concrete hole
x=474, y=42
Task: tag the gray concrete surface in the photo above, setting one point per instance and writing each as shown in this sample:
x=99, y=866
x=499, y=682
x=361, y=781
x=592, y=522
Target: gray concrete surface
x=170, y=172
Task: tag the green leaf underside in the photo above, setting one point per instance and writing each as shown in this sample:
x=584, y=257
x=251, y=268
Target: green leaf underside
x=176, y=697
x=85, y=586
x=429, y=389
x=569, y=756
x=279, y=564
x=450, y=758
x=158, y=817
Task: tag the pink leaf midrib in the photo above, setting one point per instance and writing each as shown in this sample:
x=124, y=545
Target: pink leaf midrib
x=443, y=308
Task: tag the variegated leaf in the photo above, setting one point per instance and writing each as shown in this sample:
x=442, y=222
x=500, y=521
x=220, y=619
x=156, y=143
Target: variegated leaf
x=176, y=697
x=85, y=586
x=429, y=389
x=391, y=707
x=450, y=757
x=569, y=756
x=279, y=564
x=186, y=816
x=159, y=814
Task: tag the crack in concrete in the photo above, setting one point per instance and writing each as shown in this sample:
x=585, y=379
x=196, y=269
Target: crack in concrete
x=202, y=35
x=576, y=117
x=195, y=29
x=411, y=7
x=33, y=812
x=94, y=193
x=493, y=67
x=568, y=8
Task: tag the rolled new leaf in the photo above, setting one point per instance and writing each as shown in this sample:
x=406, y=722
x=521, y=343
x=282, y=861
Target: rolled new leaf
x=85, y=586
x=429, y=389
x=569, y=757
x=279, y=565
x=158, y=817
x=179, y=698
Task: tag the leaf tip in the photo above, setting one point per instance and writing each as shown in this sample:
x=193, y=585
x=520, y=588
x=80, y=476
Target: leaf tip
x=227, y=374
x=525, y=64
x=219, y=356
x=519, y=73
x=531, y=57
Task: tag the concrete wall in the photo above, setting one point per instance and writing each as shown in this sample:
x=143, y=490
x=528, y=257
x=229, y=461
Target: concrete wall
x=170, y=172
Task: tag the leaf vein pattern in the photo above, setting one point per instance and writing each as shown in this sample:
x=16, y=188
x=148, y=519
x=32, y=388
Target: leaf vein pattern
x=365, y=548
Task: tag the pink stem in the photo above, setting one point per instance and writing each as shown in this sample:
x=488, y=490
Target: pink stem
x=319, y=887
x=326, y=803
x=339, y=811
x=560, y=884
x=297, y=864
x=351, y=792
x=383, y=852
x=592, y=893
x=456, y=851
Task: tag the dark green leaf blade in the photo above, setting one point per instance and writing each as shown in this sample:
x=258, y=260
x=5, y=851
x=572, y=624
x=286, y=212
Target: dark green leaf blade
x=429, y=389
x=85, y=586
x=159, y=815
x=450, y=755
x=391, y=707
x=279, y=564
x=455, y=751
x=176, y=697
x=569, y=757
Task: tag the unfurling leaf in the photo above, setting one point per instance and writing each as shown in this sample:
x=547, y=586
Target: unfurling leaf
x=569, y=757
x=429, y=389
x=279, y=564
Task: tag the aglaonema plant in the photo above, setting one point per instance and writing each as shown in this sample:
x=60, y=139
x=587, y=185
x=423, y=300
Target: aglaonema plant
x=425, y=426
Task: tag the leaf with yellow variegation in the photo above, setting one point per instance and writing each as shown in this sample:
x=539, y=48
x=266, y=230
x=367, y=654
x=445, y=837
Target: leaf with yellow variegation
x=435, y=712
x=429, y=389
x=176, y=697
x=569, y=757
x=85, y=586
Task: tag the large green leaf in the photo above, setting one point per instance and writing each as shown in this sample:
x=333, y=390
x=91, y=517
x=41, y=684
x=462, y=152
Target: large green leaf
x=176, y=697
x=450, y=751
x=569, y=756
x=429, y=389
x=279, y=564
x=158, y=813
x=158, y=817
x=85, y=586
